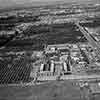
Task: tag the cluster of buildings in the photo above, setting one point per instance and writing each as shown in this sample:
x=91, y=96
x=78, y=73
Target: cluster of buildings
x=53, y=15
x=63, y=14
x=58, y=19
x=20, y=13
x=60, y=14
x=63, y=59
x=22, y=27
x=95, y=33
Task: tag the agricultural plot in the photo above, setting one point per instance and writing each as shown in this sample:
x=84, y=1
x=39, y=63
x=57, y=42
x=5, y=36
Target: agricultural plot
x=49, y=34
x=16, y=72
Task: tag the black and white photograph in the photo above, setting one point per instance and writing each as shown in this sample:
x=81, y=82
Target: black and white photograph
x=49, y=49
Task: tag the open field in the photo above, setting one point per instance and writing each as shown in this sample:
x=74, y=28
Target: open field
x=54, y=34
x=50, y=91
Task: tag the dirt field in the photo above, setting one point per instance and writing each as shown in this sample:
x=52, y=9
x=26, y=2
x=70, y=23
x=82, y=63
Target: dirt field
x=50, y=91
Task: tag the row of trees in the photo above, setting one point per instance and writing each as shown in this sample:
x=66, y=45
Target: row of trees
x=15, y=72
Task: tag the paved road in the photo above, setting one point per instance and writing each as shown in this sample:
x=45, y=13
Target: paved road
x=90, y=39
x=69, y=77
x=46, y=79
x=79, y=77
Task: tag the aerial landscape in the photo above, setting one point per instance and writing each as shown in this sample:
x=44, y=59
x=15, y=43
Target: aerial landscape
x=49, y=50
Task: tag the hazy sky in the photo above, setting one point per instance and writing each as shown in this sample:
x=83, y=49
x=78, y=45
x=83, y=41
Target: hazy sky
x=16, y=2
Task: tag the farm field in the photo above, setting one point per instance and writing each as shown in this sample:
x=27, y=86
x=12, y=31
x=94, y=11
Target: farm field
x=49, y=34
x=14, y=71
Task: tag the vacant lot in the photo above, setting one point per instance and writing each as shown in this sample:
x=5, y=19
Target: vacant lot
x=50, y=91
